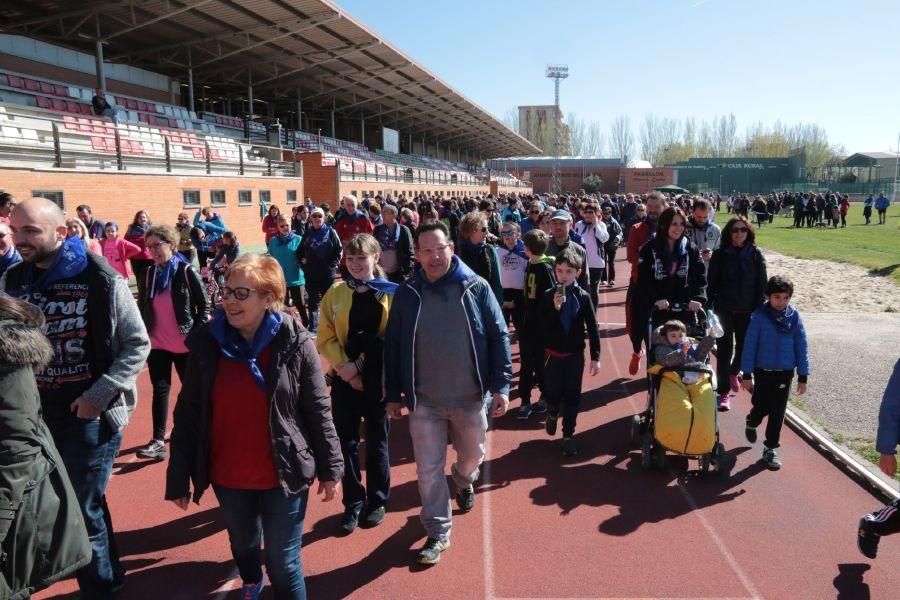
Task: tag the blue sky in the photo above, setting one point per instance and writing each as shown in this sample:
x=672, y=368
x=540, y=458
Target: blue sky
x=833, y=63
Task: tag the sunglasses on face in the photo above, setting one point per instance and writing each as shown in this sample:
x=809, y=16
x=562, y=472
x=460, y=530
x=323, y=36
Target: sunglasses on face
x=507, y=233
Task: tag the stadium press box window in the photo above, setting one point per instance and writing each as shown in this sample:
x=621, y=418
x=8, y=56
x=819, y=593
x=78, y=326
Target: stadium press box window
x=245, y=197
x=191, y=198
x=217, y=197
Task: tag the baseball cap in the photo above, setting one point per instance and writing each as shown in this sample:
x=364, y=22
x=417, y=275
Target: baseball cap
x=561, y=214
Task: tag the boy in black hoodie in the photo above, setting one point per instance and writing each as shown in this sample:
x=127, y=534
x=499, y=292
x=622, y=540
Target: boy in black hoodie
x=539, y=279
x=567, y=312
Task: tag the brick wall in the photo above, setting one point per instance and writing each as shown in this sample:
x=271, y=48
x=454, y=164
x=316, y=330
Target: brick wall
x=118, y=196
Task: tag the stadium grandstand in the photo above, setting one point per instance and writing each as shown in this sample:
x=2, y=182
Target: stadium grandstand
x=229, y=103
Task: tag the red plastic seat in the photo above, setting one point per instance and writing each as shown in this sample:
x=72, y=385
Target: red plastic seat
x=61, y=90
x=43, y=102
x=16, y=82
x=58, y=104
x=70, y=122
x=32, y=85
x=46, y=88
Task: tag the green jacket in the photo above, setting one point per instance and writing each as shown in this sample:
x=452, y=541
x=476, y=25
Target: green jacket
x=42, y=534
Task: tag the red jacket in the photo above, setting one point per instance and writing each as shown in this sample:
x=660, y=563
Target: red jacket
x=637, y=237
x=346, y=228
x=270, y=227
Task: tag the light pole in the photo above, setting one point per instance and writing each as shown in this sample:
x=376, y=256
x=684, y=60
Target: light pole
x=556, y=72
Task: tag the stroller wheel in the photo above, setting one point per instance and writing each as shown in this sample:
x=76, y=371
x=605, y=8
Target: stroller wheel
x=718, y=458
x=646, y=449
x=634, y=434
x=659, y=457
x=704, y=463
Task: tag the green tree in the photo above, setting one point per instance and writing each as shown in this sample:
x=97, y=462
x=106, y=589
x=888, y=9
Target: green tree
x=592, y=184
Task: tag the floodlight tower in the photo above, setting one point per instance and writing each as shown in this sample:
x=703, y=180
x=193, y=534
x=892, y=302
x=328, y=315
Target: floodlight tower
x=556, y=72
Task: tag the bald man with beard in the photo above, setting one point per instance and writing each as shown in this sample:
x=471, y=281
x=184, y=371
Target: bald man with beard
x=88, y=390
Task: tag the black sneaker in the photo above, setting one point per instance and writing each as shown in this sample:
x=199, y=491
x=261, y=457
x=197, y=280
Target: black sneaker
x=350, y=521
x=156, y=450
x=866, y=539
x=375, y=517
x=465, y=498
x=770, y=457
x=430, y=554
x=550, y=424
x=539, y=407
x=524, y=412
x=570, y=447
x=750, y=433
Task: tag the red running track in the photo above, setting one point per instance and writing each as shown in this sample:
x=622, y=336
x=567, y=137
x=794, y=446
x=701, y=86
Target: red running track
x=544, y=526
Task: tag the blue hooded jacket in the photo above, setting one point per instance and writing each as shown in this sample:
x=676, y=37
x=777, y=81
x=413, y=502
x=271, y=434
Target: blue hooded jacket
x=765, y=347
x=889, y=416
x=487, y=333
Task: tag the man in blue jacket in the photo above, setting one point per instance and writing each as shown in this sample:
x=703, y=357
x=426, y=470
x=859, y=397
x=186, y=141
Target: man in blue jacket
x=446, y=356
x=886, y=520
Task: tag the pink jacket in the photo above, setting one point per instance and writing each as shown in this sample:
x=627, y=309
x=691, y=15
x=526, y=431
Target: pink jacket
x=117, y=252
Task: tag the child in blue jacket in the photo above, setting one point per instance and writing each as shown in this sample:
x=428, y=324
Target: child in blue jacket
x=774, y=346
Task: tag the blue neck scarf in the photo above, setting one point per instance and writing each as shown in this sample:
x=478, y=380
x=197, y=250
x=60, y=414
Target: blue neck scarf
x=318, y=238
x=71, y=260
x=784, y=320
x=235, y=348
x=743, y=256
x=388, y=239
x=162, y=276
x=674, y=257
x=570, y=308
x=379, y=284
x=457, y=273
x=9, y=259
x=284, y=240
x=518, y=249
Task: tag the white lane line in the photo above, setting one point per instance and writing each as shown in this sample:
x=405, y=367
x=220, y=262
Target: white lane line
x=487, y=550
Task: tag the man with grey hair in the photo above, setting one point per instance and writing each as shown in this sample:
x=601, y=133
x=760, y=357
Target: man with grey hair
x=88, y=391
x=396, y=244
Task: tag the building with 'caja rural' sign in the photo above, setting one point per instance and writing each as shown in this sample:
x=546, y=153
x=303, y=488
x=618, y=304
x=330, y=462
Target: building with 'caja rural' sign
x=573, y=170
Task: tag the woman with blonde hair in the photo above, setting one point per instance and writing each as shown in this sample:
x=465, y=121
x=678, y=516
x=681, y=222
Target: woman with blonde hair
x=352, y=322
x=253, y=420
x=477, y=254
x=75, y=228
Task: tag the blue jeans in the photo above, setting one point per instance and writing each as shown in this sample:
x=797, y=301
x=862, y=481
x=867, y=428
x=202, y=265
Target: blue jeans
x=88, y=449
x=269, y=517
x=112, y=113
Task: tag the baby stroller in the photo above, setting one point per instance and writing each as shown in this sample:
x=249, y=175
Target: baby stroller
x=213, y=279
x=672, y=421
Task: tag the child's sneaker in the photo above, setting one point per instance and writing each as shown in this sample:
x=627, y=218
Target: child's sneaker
x=770, y=457
x=750, y=433
x=635, y=362
x=570, y=447
x=550, y=424
x=724, y=402
x=524, y=412
x=539, y=407
x=251, y=591
x=866, y=539
x=735, y=381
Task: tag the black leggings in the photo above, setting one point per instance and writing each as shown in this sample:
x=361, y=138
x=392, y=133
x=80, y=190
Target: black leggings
x=731, y=345
x=160, y=363
x=610, y=268
x=297, y=295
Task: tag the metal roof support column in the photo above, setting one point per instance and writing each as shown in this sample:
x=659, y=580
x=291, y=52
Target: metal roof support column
x=98, y=58
x=410, y=142
x=228, y=110
x=299, y=111
x=249, y=96
x=333, y=106
x=362, y=130
x=190, y=82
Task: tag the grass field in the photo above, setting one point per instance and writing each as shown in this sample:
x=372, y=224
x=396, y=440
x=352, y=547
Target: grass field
x=875, y=247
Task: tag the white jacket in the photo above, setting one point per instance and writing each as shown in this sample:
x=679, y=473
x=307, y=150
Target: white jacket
x=594, y=238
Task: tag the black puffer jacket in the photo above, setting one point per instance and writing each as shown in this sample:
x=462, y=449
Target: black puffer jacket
x=654, y=283
x=41, y=528
x=304, y=442
x=731, y=290
x=188, y=298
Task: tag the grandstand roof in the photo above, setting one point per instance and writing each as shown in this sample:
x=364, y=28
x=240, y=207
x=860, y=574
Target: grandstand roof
x=282, y=46
x=564, y=161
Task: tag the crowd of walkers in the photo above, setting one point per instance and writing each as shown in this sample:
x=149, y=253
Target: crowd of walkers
x=389, y=291
x=808, y=209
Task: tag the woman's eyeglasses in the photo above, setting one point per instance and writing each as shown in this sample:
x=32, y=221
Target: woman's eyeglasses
x=152, y=247
x=240, y=293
